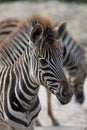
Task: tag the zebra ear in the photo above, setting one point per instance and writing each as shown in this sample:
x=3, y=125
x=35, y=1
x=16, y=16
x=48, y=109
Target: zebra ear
x=36, y=34
x=61, y=30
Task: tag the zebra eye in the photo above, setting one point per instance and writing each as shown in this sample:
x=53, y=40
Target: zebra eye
x=43, y=62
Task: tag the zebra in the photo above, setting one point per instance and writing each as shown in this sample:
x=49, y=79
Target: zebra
x=30, y=57
x=73, y=61
x=73, y=55
x=6, y=27
x=75, y=64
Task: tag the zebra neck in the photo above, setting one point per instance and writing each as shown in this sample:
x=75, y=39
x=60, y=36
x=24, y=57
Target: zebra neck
x=26, y=90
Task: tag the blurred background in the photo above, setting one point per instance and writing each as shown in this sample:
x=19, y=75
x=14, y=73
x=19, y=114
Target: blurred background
x=75, y=13
x=72, y=11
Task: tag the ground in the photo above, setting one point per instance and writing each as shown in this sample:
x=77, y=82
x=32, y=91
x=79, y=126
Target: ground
x=70, y=115
x=59, y=128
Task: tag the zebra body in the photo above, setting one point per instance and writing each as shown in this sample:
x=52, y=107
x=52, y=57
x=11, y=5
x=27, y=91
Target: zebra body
x=18, y=104
x=74, y=63
x=29, y=57
x=73, y=54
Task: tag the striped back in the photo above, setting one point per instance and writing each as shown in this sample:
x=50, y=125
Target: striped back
x=73, y=53
x=74, y=62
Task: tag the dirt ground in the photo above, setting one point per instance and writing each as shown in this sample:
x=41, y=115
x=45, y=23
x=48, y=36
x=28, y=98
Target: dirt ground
x=59, y=128
x=71, y=115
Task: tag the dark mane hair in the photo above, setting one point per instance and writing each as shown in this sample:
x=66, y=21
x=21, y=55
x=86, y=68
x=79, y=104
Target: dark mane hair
x=45, y=21
x=47, y=24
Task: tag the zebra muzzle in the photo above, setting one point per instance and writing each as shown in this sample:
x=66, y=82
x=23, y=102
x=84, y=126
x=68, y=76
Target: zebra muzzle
x=62, y=90
x=65, y=93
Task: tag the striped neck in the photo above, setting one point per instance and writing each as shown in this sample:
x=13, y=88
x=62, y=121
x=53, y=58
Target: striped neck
x=27, y=89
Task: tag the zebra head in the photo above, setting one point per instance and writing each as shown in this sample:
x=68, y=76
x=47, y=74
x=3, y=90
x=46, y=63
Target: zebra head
x=46, y=61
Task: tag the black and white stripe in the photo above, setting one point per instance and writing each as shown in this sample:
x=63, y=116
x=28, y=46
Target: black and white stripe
x=74, y=63
x=6, y=27
x=25, y=66
x=75, y=66
x=18, y=98
x=73, y=56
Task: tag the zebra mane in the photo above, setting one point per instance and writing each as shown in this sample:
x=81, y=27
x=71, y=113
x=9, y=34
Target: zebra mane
x=46, y=23
x=49, y=35
x=32, y=20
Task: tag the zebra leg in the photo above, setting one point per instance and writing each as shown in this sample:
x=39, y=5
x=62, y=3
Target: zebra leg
x=50, y=113
x=77, y=85
x=37, y=123
x=79, y=95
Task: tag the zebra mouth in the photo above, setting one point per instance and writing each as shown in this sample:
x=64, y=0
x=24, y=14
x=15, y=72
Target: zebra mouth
x=63, y=101
x=54, y=89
